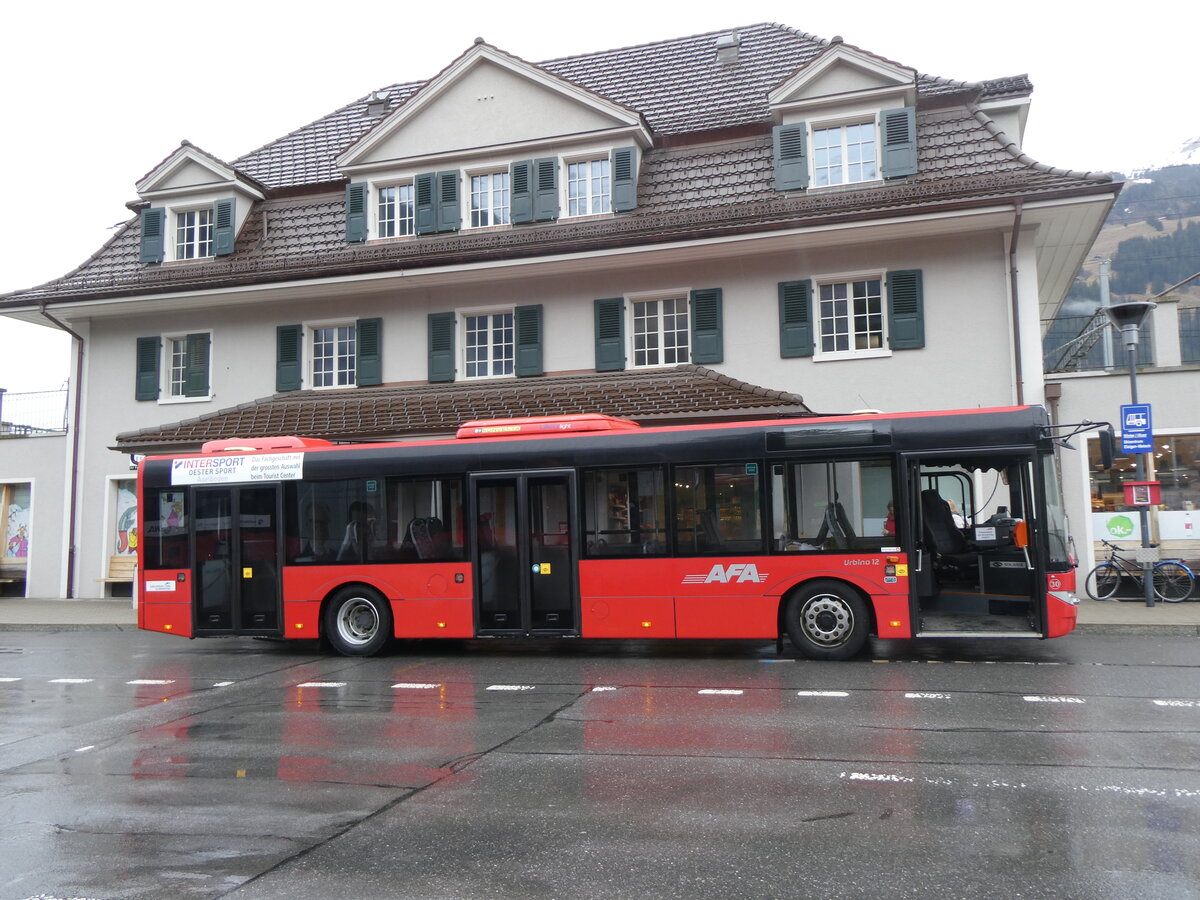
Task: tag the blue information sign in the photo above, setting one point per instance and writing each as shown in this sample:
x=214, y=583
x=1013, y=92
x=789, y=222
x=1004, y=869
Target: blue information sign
x=1136, y=429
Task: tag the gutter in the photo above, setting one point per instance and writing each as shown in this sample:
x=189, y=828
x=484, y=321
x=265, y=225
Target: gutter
x=1016, y=317
x=77, y=414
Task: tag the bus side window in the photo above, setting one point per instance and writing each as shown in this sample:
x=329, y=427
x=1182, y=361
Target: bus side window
x=717, y=509
x=624, y=512
x=832, y=505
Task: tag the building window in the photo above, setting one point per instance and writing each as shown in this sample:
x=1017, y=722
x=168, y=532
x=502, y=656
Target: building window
x=851, y=316
x=194, y=234
x=489, y=345
x=589, y=187
x=844, y=154
x=489, y=199
x=660, y=332
x=395, y=212
x=334, y=350
x=177, y=348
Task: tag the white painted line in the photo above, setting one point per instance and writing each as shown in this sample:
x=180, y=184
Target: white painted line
x=323, y=684
x=71, y=680
x=1186, y=704
x=731, y=692
x=151, y=681
x=877, y=776
x=510, y=687
x=222, y=683
x=925, y=695
x=822, y=693
x=9, y=680
x=600, y=688
x=414, y=686
x=85, y=749
x=1038, y=699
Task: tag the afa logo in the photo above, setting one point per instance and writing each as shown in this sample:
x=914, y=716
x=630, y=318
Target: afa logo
x=734, y=573
x=1120, y=526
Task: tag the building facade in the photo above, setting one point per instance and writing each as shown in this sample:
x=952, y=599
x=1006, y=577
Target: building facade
x=752, y=222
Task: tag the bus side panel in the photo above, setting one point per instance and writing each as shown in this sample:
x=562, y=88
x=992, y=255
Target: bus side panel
x=165, y=602
x=620, y=598
x=1060, y=612
x=427, y=599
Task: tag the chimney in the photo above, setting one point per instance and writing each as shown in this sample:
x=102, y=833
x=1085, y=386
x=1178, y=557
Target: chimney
x=377, y=103
x=727, y=48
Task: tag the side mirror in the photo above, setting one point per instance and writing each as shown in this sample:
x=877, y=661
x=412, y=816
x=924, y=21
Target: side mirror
x=1108, y=444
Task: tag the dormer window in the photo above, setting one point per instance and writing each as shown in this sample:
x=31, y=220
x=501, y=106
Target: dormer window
x=844, y=154
x=489, y=199
x=589, y=187
x=194, y=234
x=396, y=211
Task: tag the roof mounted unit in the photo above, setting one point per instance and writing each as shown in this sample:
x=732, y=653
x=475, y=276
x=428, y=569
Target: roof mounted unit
x=572, y=424
x=727, y=47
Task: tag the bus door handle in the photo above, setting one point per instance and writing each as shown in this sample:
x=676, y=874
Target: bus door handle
x=920, y=559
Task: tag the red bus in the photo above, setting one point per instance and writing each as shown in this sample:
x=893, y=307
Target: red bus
x=823, y=530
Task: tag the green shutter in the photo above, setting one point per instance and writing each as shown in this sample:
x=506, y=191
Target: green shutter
x=795, y=319
x=195, y=380
x=906, y=309
x=899, y=128
x=356, y=212
x=449, y=212
x=520, y=181
x=441, y=346
x=545, y=189
x=154, y=222
x=791, y=156
x=289, y=341
x=527, y=323
x=146, y=386
x=610, y=334
x=224, y=220
x=707, y=344
x=368, y=345
x=624, y=178
x=426, y=214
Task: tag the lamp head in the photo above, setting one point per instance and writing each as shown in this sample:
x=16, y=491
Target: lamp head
x=1128, y=318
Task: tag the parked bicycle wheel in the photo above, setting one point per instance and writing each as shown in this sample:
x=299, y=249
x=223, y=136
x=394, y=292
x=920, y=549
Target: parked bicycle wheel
x=1102, y=582
x=1172, y=581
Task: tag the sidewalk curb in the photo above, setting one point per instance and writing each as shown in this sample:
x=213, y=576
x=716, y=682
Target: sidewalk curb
x=95, y=626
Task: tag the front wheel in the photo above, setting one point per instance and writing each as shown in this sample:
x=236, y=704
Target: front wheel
x=1102, y=582
x=827, y=620
x=1172, y=581
x=358, y=622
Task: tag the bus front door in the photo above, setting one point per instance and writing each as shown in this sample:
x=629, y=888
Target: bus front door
x=525, y=554
x=236, y=553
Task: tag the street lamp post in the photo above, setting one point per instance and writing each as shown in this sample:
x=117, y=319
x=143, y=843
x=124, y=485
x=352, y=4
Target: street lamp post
x=1128, y=319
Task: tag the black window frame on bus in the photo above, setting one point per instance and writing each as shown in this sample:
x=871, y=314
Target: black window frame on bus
x=836, y=533
x=712, y=526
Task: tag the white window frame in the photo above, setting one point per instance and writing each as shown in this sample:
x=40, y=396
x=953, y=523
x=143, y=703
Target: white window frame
x=499, y=215
x=176, y=246
x=398, y=221
x=464, y=331
x=819, y=318
x=310, y=354
x=166, y=368
x=587, y=159
x=870, y=120
x=683, y=296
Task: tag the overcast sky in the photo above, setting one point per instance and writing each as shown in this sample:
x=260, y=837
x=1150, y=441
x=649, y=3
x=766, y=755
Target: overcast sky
x=96, y=94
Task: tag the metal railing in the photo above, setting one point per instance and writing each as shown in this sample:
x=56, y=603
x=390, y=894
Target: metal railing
x=1074, y=344
x=33, y=413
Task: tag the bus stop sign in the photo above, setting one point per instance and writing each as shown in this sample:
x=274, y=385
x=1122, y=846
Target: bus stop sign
x=1136, y=429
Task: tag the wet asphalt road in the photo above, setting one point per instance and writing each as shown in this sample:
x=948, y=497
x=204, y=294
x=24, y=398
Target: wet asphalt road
x=138, y=765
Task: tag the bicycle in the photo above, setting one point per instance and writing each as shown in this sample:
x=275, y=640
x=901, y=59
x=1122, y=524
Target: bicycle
x=1171, y=579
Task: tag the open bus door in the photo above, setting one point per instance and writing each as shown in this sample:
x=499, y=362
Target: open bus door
x=976, y=571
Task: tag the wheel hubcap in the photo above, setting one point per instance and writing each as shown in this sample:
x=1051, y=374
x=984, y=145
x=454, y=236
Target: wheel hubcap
x=827, y=620
x=358, y=622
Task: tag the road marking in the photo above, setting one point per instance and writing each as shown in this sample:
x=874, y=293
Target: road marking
x=996, y=783
x=9, y=680
x=822, y=693
x=85, y=749
x=414, y=686
x=151, y=681
x=732, y=692
x=322, y=684
x=1034, y=698
x=600, y=688
x=510, y=687
x=925, y=695
x=71, y=680
x=1187, y=704
x=222, y=683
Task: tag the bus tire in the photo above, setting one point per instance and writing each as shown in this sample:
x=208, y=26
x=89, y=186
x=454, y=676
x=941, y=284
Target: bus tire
x=357, y=621
x=827, y=620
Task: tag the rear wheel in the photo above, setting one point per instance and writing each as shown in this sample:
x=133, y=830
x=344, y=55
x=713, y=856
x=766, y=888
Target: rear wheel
x=358, y=622
x=827, y=620
x=1172, y=581
x=1102, y=582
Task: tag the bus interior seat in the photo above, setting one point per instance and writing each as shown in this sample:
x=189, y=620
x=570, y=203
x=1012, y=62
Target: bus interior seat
x=836, y=527
x=708, y=524
x=943, y=536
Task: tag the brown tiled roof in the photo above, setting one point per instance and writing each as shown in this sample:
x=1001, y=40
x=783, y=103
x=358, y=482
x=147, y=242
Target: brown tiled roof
x=681, y=394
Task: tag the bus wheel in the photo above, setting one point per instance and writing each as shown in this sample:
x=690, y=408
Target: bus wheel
x=827, y=620
x=358, y=622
